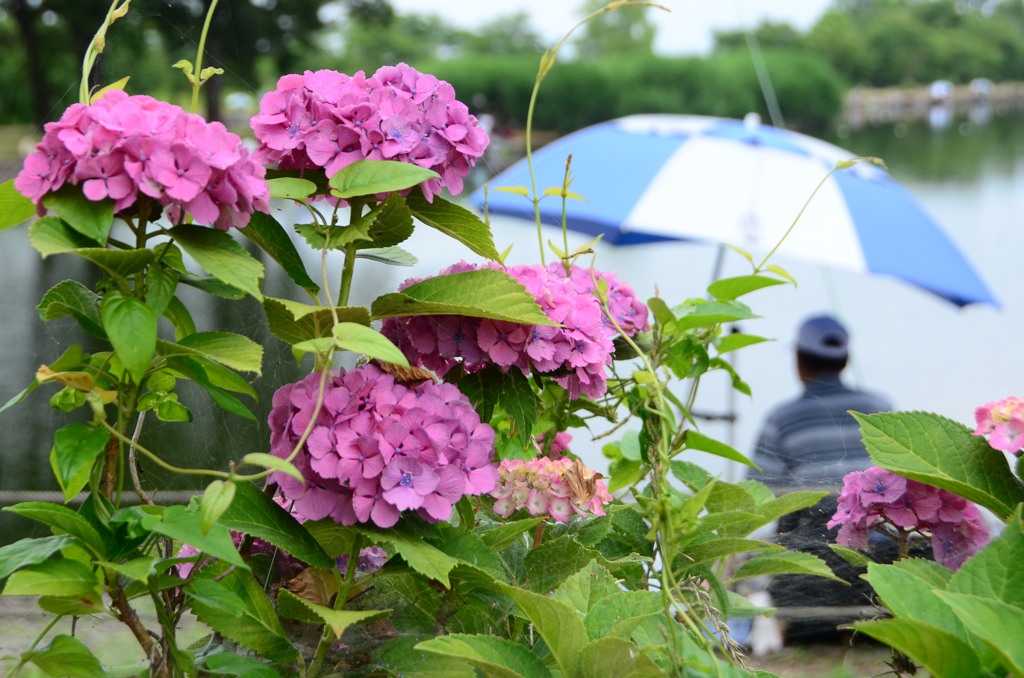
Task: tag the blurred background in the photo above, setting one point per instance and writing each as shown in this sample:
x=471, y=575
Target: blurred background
x=934, y=87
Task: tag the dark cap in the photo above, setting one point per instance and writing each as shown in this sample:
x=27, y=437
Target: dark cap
x=823, y=337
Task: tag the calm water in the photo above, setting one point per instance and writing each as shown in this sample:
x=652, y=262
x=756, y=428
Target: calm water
x=919, y=350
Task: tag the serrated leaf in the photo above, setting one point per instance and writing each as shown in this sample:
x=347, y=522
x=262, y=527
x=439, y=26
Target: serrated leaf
x=138, y=569
x=855, y=558
x=494, y=656
x=587, y=587
x=936, y=575
x=213, y=286
x=192, y=368
x=90, y=218
x=501, y=535
x=400, y=657
x=59, y=577
x=335, y=539
x=63, y=519
x=230, y=664
x=484, y=293
x=520, y=404
x=275, y=463
x=720, y=547
x=294, y=607
x=728, y=289
x=65, y=656
x=456, y=222
x=624, y=473
x=27, y=552
x=72, y=298
x=607, y=615
x=14, y=207
x=786, y=562
x=942, y=653
x=294, y=323
x=76, y=447
x=216, y=500
x=229, y=349
x=82, y=605
x=179, y=523
x=369, y=177
x=253, y=512
x=425, y=558
x=938, y=451
x=556, y=622
x=994, y=572
x=361, y=339
x=392, y=256
x=216, y=595
x=612, y=656
x=222, y=257
x=51, y=235
x=271, y=237
x=997, y=624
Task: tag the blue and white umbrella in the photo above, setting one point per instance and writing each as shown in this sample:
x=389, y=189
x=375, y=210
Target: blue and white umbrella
x=649, y=178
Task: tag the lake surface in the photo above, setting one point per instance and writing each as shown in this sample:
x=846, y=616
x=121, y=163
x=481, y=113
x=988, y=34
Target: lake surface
x=919, y=350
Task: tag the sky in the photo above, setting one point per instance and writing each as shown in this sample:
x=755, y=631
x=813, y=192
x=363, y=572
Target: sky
x=687, y=29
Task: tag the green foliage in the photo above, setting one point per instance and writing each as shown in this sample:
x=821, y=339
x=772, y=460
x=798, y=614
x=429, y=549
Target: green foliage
x=495, y=657
x=938, y=451
x=294, y=607
x=456, y=222
x=63, y=519
x=361, y=339
x=270, y=236
x=228, y=664
x=90, y=218
x=179, y=523
x=556, y=622
x=14, y=207
x=72, y=298
x=76, y=448
x=939, y=651
x=58, y=577
x=65, y=656
x=221, y=257
x=786, y=562
x=367, y=177
x=131, y=327
x=26, y=552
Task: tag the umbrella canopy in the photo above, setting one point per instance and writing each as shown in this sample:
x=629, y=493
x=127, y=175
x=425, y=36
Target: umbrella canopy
x=649, y=178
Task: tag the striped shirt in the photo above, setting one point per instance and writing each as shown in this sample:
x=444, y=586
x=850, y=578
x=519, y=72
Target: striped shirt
x=813, y=440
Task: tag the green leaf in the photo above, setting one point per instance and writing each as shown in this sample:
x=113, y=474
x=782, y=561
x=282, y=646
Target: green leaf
x=258, y=628
x=335, y=539
x=131, y=327
x=787, y=503
x=555, y=560
x=996, y=623
x=731, y=342
x=584, y=589
x=737, y=383
x=120, y=263
x=624, y=473
x=118, y=85
x=82, y=605
x=515, y=190
x=179, y=316
x=216, y=595
x=779, y=271
x=179, y=523
x=253, y=512
x=456, y=222
x=216, y=500
x=693, y=476
x=27, y=552
x=50, y=235
x=72, y=298
x=70, y=358
x=520, y=404
x=401, y=658
x=608, y=614
x=90, y=218
x=59, y=577
x=369, y=177
x=698, y=441
x=213, y=286
x=426, y=559
x=720, y=547
x=192, y=369
x=362, y=339
x=319, y=178
x=618, y=657
x=161, y=282
x=786, y=562
x=711, y=313
x=494, y=656
x=855, y=558
x=938, y=451
x=63, y=519
x=14, y=207
x=271, y=237
x=936, y=575
x=392, y=256
x=485, y=293
x=556, y=622
x=275, y=463
x=290, y=188
x=228, y=349
x=76, y=447
x=389, y=224
x=65, y=656
x=559, y=192
x=728, y=289
x=501, y=535
x=222, y=257
x=942, y=653
x=741, y=607
x=995, y=571
x=629, y=445
x=215, y=374
x=295, y=323
x=294, y=607
x=230, y=664
x=138, y=569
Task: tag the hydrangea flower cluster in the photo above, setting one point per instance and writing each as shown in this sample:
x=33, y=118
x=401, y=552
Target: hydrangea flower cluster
x=581, y=347
x=546, y=487
x=629, y=312
x=1003, y=423
x=122, y=145
x=875, y=497
x=328, y=119
x=559, y=444
x=379, y=448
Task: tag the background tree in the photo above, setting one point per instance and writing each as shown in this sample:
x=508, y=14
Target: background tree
x=625, y=32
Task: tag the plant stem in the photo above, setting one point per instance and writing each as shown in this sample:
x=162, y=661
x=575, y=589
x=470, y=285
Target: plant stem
x=339, y=604
x=196, y=84
x=160, y=462
x=132, y=467
x=97, y=45
x=903, y=544
x=346, y=274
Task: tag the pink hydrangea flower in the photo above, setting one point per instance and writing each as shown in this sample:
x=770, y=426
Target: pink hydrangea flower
x=1003, y=423
x=629, y=312
x=329, y=120
x=121, y=145
x=559, y=444
x=580, y=349
x=379, y=448
x=542, y=487
x=876, y=497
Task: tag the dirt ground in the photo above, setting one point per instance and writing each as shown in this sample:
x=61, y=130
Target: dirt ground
x=858, y=659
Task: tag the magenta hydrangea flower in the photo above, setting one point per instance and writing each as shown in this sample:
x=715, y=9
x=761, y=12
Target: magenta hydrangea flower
x=629, y=312
x=559, y=444
x=543, y=486
x=1003, y=423
x=877, y=497
x=329, y=120
x=121, y=145
x=379, y=448
x=579, y=349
